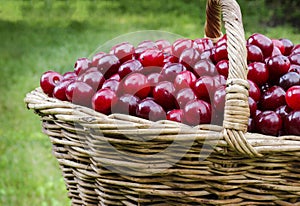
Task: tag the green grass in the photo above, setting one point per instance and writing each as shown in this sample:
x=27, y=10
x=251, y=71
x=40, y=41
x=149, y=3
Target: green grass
x=40, y=35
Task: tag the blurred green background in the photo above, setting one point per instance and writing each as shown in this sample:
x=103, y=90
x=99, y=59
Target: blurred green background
x=36, y=36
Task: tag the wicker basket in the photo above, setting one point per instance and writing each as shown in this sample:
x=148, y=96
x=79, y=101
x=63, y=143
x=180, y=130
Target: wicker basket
x=125, y=160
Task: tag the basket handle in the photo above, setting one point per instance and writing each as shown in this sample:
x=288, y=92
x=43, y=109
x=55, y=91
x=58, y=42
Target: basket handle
x=236, y=114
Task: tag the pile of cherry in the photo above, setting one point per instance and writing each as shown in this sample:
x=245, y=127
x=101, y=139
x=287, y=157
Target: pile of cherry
x=185, y=82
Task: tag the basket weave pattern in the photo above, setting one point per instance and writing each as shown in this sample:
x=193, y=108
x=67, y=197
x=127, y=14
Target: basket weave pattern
x=167, y=163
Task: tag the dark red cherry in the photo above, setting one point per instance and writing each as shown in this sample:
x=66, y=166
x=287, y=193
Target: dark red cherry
x=136, y=84
x=273, y=98
x=185, y=79
x=175, y=115
x=268, y=123
x=222, y=41
x=108, y=65
x=252, y=106
x=292, y=122
x=138, y=51
x=205, y=67
x=295, y=58
x=189, y=57
x=162, y=43
x=152, y=57
x=283, y=111
x=289, y=79
x=126, y=104
x=220, y=53
x=278, y=65
x=294, y=68
x=115, y=77
x=278, y=44
x=169, y=59
x=203, y=44
x=223, y=67
x=258, y=73
x=251, y=125
x=69, y=75
x=129, y=66
x=254, y=53
x=80, y=93
x=104, y=100
x=293, y=97
x=112, y=84
x=288, y=46
x=219, y=99
x=95, y=59
x=81, y=65
x=185, y=95
x=170, y=71
x=93, y=78
x=197, y=112
x=59, y=91
x=180, y=45
x=264, y=43
x=49, y=80
x=254, y=91
x=164, y=94
x=149, y=109
x=204, y=88
x=296, y=49
x=124, y=51
x=208, y=54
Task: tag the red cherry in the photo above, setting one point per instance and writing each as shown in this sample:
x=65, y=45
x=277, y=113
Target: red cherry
x=276, y=51
x=180, y=45
x=49, y=80
x=219, y=99
x=136, y=84
x=163, y=94
x=292, y=122
x=223, y=67
x=108, y=65
x=96, y=58
x=269, y=123
x=271, y=99
x=205, y=67
x=185, y=79
x=222, y=41
x=208, y=54
x=115, y=77
x=204, y=88
x=126, y=104
x=81, y=65
x=169, y=59
x=258, y=73
x=104, y=100
x=124, y=51
x=189, y=57
x=80, y=93
x=175, y=115
x=254, y=91
x=278, y=65
x=203, y=44
x=197, y=112
x=162, y=43
x=93, y=78
x=288, y=46
x=293, y=97
x=283, y=111
x=147, y=44
x=59, y=91
x=254, y=53
x=294, y=68
x=288, y=80
x=69, y=75
x=252, y=106
x=184, y=96
x=152, y=57
x=296, y=49
x=295, y=58
x=279, y=44
x=111, y=84
x=129, y=67
x=170, y=71
x=264, y=43
x=149, y=109
x=220, y=53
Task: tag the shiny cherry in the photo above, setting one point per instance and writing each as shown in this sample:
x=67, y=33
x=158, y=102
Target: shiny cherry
x=152, y=57
x=180, y=45
x=185, y=95
x=59, y=91
x=268, y=123
x=185, y=79
x=124, y=51
x=254, y=91
x=80, y=93
x=149, y=109
x=254, y=53
x=293, y=97
x=81, y=65
x=49, y=80
x=164, y=94
x=258, y=73
x=129, y=66
x=288, y=46
x=273, y=98
x=203, y=44
x=104, y=100
x=93, y=78
x=220, y=52
x=126, y=104
x=136, y=84
x=189, y=57
x=170, y=71
x=223, y=67
x=197, y=112
x=175, y=115
x=162, y=43
x=108, y=65
x=205, y=67
x=263, y=42
x=204, y=88
x=289, y=79
x=278, y=65
x=292, y=122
